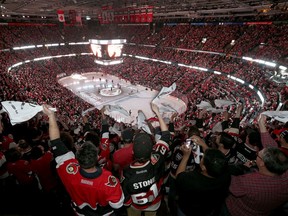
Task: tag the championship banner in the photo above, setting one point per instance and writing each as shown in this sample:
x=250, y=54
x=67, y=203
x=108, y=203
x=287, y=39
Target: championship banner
x=126, y=15
x=78, y=18
x=72, y=17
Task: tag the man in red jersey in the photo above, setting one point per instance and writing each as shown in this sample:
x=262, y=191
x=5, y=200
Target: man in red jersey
x=93, y=190
x=124, y=156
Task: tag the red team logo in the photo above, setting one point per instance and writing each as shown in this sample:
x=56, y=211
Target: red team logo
x=72, y=168
x=112, y=181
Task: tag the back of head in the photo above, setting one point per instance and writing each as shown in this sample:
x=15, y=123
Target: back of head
x=87, y=155
x=142, y=147
x=193, y=130
x=93, y=137
x=254, y=138
x=215, y=162
x=275, y=160
x=227, y=140
x=36, y=152
x=13, y=155
x=23, y=144
x=127, y=135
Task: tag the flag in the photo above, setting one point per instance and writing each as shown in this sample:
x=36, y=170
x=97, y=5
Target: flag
x=20, y=111
x=61, y=16
x=281, y=116
x=166, y=90
x=78, y=18
x=222, y=103
x=204, y=105
x=116, y=108
x=142, y=124
x=214, y=110
x=165, y=107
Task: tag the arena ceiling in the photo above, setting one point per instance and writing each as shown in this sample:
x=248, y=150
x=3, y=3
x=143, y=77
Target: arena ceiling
x=162, y=9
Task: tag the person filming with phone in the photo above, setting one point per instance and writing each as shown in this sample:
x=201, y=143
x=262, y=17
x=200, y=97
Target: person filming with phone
x=203, y=190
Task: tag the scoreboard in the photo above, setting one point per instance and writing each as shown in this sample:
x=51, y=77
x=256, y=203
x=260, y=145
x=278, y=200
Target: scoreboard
x=107, y=52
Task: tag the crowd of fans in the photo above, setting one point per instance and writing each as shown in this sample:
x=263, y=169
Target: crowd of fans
x=28, y=166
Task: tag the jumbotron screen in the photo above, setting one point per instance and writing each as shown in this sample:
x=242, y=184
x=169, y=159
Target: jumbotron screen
x=107, y=52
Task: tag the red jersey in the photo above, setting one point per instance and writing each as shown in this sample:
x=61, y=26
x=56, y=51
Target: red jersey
x=124, y=156
x=98, y=192
x=42, y=167
x=22, y=171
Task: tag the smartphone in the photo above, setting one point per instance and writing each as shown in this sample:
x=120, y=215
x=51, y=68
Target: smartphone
x=188, y=142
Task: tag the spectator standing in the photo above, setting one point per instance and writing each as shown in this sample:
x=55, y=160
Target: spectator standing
x=143, y=179
x=124, y=157
x=93, y=190
x=260, y=192
x=202, y=192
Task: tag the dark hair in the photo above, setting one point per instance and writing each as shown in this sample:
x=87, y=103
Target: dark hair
x=215, y=162
x=23, y=144
x=87, y=155
x=275, y=160
x=92, y=137
x=226, y=140
x=254, y=138
x=193, y=130
x=36, y=152
x=13, y=155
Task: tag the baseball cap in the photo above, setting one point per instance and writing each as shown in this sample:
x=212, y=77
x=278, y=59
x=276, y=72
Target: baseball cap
x=127, y=135
x=143, y=146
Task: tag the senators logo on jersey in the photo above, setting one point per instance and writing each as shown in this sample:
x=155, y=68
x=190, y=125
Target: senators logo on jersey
x=72, y=168
x=112, y=181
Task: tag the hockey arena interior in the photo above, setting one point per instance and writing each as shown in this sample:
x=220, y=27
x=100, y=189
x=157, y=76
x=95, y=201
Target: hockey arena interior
x=141, y=107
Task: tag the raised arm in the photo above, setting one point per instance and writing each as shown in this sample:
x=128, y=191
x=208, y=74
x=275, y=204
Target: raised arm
x=54, y=132
x=163, y=125
x=266, y=139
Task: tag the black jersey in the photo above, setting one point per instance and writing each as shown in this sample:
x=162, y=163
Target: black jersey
x=142, y=183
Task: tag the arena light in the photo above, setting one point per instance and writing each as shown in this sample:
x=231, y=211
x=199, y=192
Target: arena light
x=106, y=42
x=251, y=86
x=217, y=72
x=261, y=97
x=142, y=57
x=271, y=64
x=240, y=80
x=247, y=58
x=42, y=58
x=282, y=67
x=51, y=45
x=24, y=47
x=101, y=62
x=200, y=68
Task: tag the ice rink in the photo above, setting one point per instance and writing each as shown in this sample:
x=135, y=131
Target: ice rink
x=101, y=89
